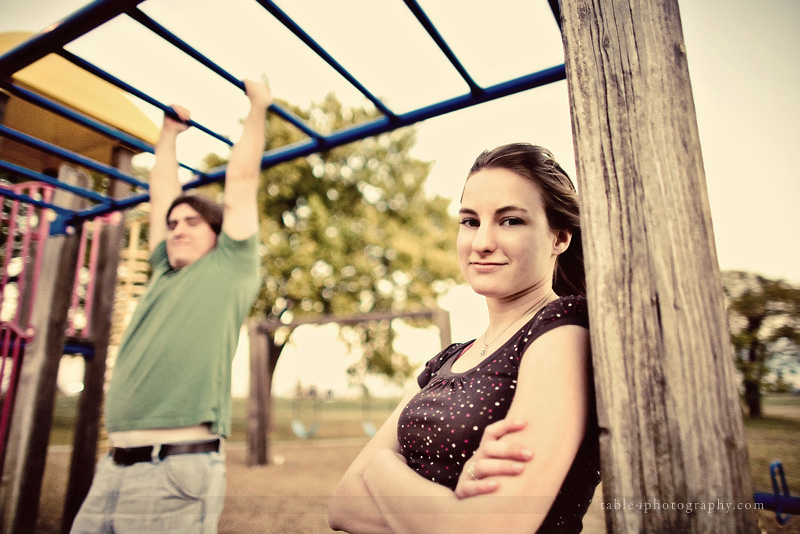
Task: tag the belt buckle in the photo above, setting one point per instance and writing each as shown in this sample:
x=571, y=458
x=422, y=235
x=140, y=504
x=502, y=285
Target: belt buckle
x=155, y=454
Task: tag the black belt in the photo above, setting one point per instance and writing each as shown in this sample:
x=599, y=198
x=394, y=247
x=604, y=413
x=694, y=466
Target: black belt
x=133, y=455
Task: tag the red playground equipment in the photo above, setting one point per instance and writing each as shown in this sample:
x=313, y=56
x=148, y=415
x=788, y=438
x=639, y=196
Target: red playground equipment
x=24, y=228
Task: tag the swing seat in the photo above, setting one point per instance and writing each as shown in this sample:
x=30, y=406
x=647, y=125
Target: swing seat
x=300, y=430
x=369, y=428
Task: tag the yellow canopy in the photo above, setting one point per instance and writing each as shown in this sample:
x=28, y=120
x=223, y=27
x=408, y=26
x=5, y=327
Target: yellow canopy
x=59, y=80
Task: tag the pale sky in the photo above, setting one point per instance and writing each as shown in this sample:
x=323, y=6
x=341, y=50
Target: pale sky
x=744, y=61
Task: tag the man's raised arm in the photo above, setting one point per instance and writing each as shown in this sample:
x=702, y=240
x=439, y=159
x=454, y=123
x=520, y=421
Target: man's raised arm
x=164, y=184
x=240, y=219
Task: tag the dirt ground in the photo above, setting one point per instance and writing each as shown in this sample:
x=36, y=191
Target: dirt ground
x=289, y=496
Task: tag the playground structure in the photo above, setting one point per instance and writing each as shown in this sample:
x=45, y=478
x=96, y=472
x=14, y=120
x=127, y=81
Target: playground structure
x=262, y=366
x=630, y=400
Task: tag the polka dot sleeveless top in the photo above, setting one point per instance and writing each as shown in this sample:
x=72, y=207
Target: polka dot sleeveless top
x=441, y=427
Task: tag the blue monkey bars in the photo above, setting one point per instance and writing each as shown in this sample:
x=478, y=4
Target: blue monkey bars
x=56, y=37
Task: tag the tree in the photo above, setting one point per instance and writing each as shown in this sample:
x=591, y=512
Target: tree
x=349, y=231
x=764, y=316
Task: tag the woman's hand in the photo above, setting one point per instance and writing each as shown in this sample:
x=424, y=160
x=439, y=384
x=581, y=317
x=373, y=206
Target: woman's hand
x=493, y=458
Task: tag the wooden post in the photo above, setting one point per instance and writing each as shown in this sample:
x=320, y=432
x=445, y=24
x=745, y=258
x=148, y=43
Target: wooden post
x=441, y=318
x=90, y=407
x=33, y=408
x=259, y=401
x=667, y=401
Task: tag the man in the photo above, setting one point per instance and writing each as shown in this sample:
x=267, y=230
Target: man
x=168, y=404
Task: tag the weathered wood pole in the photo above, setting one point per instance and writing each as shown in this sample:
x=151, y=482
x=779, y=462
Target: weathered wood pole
x=441, y=318
x=33, y=408
x=666, y=393
x=90, y=406
x=258, y=405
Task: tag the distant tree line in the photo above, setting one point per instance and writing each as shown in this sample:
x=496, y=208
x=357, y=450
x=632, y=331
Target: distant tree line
x=764, y=317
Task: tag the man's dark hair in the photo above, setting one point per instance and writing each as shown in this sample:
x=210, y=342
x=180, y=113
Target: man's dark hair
x=210, y=211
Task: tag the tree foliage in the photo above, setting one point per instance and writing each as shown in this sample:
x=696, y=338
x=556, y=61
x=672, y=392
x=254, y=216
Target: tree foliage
x=764, y=316
x=352, y=231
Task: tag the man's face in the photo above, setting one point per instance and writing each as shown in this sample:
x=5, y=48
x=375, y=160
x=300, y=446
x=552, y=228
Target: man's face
x=189, y=237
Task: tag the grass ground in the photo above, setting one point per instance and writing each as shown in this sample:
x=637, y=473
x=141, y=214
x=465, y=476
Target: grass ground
x=290, y=495
x=339, y=419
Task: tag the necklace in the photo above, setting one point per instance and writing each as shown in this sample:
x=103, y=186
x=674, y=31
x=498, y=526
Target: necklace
x=486, y=344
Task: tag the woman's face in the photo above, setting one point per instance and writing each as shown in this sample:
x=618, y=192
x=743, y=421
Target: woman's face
x=505, y=244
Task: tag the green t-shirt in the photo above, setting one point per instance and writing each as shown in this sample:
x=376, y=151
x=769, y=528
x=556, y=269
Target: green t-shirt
x=174, y=363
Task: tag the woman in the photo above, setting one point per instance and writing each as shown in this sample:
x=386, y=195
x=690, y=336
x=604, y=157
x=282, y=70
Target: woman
x=502, y=436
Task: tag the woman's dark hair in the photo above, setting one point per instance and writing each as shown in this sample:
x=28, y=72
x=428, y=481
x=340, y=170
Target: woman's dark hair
x=210, y=211
x=560, y=199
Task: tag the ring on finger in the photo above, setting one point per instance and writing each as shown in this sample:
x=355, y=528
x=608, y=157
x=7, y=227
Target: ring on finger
x=471, y=471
